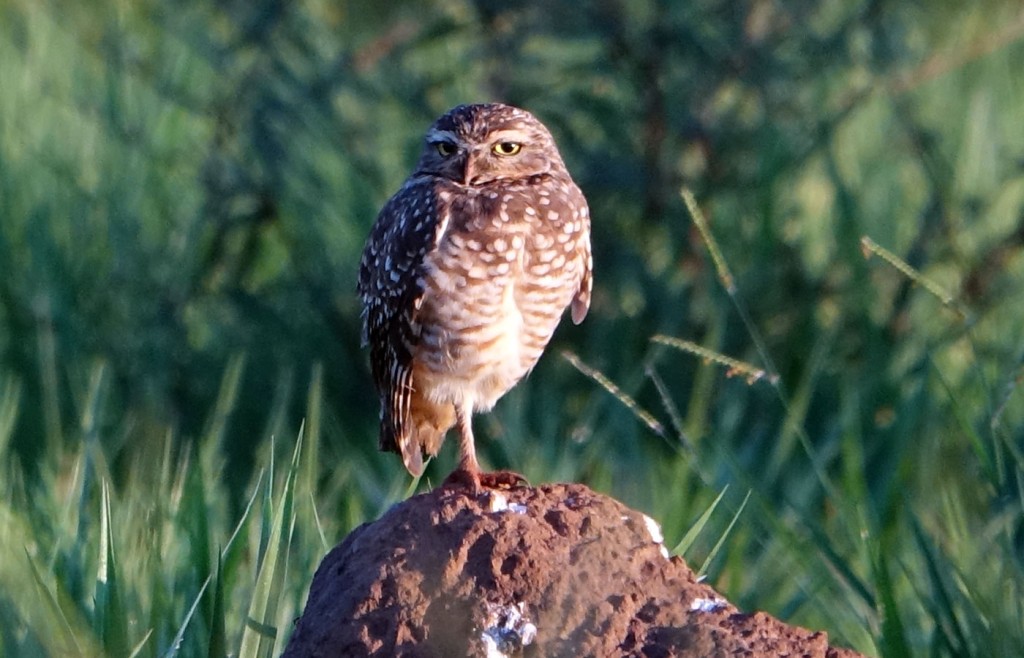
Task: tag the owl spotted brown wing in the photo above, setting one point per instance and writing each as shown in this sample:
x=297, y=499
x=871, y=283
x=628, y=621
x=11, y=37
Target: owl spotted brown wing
x=391, y=288
x=581, y=301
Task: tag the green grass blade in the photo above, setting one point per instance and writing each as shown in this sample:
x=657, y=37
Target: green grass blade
x=267, y=511
x=111, y=616
x=141, y=644
x=233, y=549
x=691, y=535
x=193, y=519
x=986, y=456
x=10, y=397
x=312, y=428
x=227, y=400
x=721, y=540
x=944, y=608
x=842, y=568
x=218, y=638
x=894, y=637
x=53, y=625
x=324, y=545
x=180, y=635
x=260, y=634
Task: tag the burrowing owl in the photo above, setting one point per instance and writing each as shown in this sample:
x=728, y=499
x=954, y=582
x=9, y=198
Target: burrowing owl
x=465, y=276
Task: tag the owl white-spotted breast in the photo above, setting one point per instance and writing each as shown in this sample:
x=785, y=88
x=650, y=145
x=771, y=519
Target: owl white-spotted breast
x=466, y=273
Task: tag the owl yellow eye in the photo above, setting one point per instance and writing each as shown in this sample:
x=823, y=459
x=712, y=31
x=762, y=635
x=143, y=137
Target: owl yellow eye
x=445, y=148
x=507, y=148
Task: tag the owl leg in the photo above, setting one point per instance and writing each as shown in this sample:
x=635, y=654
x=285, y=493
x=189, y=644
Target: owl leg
x=468, y=473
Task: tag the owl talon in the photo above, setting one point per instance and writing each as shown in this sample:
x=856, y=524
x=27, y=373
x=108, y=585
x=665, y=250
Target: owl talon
x=462, y=478
x=476, y=481
x=503, y=480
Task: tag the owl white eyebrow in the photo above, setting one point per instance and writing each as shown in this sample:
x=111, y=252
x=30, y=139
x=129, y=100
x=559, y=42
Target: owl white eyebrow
x=517, y=136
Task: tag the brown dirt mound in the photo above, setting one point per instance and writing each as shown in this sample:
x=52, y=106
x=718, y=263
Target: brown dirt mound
x=556, y=570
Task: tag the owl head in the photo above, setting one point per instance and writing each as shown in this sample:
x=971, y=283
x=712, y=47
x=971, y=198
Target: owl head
x=475, y=145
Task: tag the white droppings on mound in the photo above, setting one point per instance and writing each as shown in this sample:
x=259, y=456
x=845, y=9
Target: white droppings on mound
x=508, y=630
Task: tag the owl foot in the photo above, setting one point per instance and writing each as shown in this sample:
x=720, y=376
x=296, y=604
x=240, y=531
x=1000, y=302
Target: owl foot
x=503, y=480
x=475, y=481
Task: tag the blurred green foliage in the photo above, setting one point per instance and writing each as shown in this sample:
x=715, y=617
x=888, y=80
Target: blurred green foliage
x=184, y=193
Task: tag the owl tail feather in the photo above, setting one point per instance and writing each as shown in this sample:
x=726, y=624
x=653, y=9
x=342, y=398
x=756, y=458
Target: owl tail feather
x=402, y=441
x=420, y=432
x=424, y=439
x=412, y=457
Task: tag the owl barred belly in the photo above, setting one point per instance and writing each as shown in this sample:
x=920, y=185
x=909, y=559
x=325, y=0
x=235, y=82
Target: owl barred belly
x=466, y=274
x=491, y=303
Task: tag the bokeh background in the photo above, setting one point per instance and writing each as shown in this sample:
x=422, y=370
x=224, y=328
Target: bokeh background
x=184, y=193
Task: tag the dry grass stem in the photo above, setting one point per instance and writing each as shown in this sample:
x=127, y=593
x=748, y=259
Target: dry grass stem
x=869, y=247
x=645, y=416
x=733, y=366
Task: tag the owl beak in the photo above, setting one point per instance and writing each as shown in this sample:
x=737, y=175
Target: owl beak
x=467, y=170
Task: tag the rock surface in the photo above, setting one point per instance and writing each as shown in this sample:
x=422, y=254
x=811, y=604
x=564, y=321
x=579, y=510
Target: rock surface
x=556, y=570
